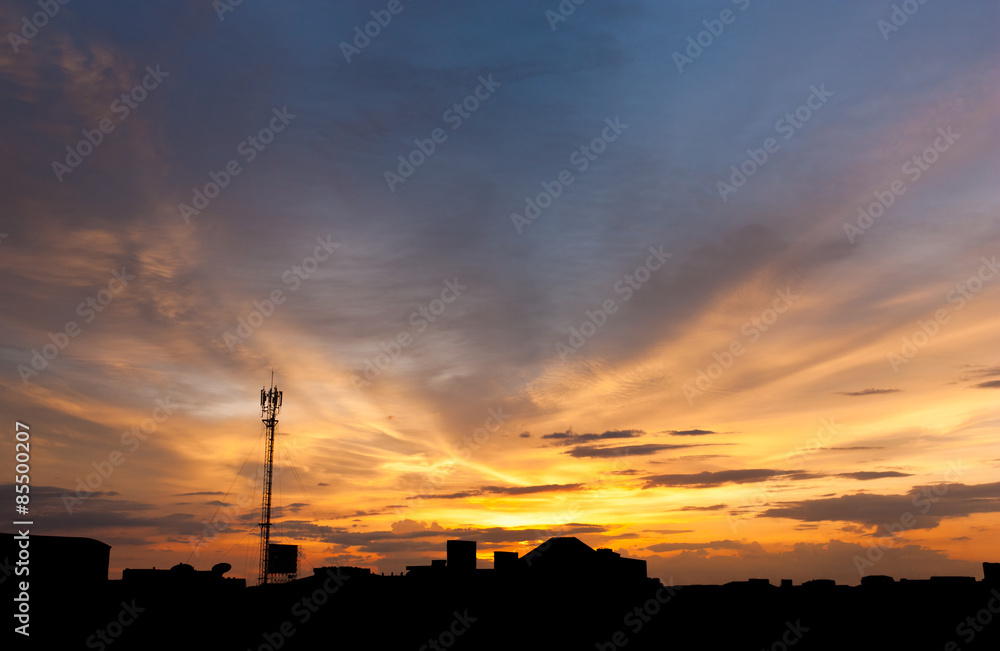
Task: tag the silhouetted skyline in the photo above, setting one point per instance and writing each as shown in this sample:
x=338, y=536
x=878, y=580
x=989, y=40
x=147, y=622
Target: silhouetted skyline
x=562, y=594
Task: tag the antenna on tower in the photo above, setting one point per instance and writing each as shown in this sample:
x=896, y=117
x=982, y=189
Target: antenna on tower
x=270, y=403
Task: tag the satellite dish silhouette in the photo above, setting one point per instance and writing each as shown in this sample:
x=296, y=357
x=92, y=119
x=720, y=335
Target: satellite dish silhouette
x=221, y=568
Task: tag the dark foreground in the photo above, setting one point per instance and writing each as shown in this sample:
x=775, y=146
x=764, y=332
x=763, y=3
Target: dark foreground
x=544, y=605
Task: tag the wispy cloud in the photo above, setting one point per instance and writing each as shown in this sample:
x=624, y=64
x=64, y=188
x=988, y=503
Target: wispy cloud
x=569, y=437
x=867, y=475
x=623, y=451
x=503, y=490
x=867, y=392
x=709, y=479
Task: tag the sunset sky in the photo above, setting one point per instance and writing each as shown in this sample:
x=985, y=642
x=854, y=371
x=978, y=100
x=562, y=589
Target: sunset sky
x=713, y=284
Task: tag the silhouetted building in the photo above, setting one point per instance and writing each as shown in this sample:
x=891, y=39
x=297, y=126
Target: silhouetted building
x=505, y=562
x=954, y=580
x=875, y=580
x=181, y=578
x=421, y=570
x=63, y=560
x=62, y=581
x=462, y=556
x=568, y=558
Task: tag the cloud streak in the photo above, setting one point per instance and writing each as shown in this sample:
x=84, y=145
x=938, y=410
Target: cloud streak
x=708, y=479
x=928, y=505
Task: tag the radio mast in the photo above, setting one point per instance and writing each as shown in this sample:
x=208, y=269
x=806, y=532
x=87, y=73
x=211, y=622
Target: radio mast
x=270, y=403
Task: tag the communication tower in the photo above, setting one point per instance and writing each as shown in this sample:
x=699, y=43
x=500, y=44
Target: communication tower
x=270, y=403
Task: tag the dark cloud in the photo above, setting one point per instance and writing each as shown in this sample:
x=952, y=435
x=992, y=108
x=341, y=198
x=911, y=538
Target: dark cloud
x=678, y=546
x=866, y=475
x=292, y=508
x=95, y=518
x=127, y=521
x=689, y=432
x=855, y=529
x=980, y=372
x=368, y=513
x=625, y=451
x=926, y=505
x=125, y=541
x=708, y=479
x=669, y=531
x=866, y=392
x=502, y=490
x=351, y=560
x=714, y=507
x=985, y=371
x=568, y=437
